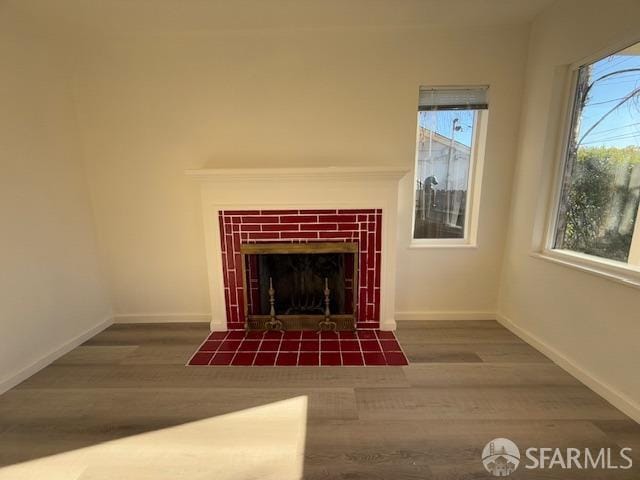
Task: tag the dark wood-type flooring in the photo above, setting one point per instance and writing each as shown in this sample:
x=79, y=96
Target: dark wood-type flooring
x=468, y=382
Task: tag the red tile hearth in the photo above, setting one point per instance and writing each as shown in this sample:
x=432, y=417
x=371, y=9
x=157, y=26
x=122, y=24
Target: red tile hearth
x=363, y=226
x=300, y=348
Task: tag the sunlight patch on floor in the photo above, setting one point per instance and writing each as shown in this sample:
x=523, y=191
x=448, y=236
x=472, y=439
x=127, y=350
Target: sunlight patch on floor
x=265, y=442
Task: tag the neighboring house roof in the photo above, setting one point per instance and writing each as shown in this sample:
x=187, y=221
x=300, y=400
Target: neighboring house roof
x=425, y=134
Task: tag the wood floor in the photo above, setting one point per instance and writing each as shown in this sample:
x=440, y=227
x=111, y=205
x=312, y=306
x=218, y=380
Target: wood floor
x=124, y=406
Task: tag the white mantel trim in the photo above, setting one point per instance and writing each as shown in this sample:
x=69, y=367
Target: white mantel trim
x=341, y=173
x=300, y=188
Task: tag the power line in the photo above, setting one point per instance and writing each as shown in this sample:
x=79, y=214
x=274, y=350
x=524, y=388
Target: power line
x=619, y=127
x=630, y=57
x=613, y=129
x=603, y=102
x=616, y=137
x=585, y=94
x=628, y=72
x=619, y=137
x=616, y=81
x=625, y=99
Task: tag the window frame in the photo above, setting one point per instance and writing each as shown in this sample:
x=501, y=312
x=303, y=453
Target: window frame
x=622, y=272
x=476, y=167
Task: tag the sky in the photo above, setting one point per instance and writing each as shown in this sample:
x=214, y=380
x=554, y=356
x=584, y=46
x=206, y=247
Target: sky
x=442, y=122
x=622, y=127
x=619, y=129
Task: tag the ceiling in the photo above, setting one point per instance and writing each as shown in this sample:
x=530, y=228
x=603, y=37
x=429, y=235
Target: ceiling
x=114, y=17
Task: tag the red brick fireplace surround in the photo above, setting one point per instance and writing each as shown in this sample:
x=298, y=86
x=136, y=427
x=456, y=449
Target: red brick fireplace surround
x=363, y=226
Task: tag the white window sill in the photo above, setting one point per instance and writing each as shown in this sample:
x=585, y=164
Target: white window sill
x=618, y=272
x=419, y=244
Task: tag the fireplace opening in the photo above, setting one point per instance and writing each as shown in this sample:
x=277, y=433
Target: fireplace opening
x=295, y=278
x=299, y=280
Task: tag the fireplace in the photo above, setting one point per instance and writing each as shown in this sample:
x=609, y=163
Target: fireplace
x=300, y=206
x=310, y=285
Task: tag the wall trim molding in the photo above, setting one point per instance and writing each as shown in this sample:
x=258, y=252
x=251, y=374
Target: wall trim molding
x=161, y=317
x=390, y=324
x=446, y=315
x=269, y=174
x=619, y=400
x=12, y=380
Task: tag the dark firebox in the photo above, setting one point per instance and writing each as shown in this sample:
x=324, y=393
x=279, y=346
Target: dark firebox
x=299, y=281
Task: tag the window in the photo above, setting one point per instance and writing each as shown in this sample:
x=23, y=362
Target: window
x=450, y=128
x=597, y=213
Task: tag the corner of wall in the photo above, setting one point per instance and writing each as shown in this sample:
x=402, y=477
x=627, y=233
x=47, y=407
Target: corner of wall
x=616, y=398
x=14, y=379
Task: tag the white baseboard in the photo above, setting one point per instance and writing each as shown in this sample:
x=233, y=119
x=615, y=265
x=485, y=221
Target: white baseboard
x=19, y=377
x=619, y=400
x=162, y=317
x=447, y=315
x=206, y=317
x=389, y=325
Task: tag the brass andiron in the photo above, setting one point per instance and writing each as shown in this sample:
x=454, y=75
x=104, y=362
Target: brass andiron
x=273, y=323
x=327, y=323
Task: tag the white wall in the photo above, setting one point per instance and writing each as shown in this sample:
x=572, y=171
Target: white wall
x=149, y=105
x=50, y=292
x=152, y=106
x=588, y=324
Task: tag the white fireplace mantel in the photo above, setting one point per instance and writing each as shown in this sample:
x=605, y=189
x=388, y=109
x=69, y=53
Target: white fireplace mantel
x=319, y=173
x=299, y=188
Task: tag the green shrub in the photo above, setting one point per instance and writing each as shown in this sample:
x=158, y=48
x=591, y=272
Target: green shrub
x=590, y=209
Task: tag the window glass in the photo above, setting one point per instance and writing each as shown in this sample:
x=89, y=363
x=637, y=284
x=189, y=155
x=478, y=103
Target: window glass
x=601, y=181
x=447, y=124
